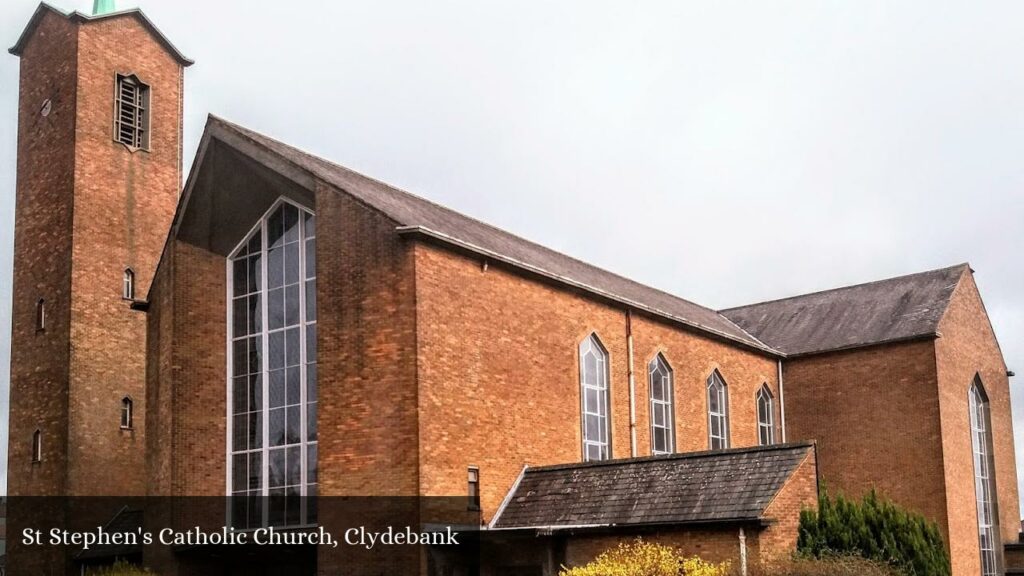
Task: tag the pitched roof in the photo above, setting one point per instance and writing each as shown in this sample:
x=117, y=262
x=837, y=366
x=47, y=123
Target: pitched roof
x=76, y=16
x=697, y=487
x=126, y=521
x=417, y=216
x=891, y=310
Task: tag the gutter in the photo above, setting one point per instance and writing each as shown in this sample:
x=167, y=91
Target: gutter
x=782, y=402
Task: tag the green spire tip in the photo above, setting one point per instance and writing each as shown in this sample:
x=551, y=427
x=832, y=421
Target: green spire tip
x=102, y=7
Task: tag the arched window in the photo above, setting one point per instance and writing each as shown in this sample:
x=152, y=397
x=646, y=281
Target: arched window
x=37, y=446
x=594, y=392
x=718, y=412
x=765, y=416
x=128, y=286
x=659, y=379
x=127, y=410
x=984, y=485
x=41, y=314
x=272, y=403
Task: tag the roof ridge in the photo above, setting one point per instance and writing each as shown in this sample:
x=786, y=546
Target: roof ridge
x=846, y=287
x=674, y=456
x=314, y=157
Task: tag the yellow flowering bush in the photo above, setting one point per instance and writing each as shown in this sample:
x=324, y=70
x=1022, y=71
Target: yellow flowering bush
x=119, y=568
x=639, y=558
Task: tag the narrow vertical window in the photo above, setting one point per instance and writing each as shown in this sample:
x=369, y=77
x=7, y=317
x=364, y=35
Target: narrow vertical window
x=41, y=314
x=594, y=392
x=126, y=413
x=37, y=446
x=765, y=417
x=273, y=380
x=659, y=379
x=128, y=284
x=473, y=489
x=984, y=485
x=131, y=112
x=718, y=412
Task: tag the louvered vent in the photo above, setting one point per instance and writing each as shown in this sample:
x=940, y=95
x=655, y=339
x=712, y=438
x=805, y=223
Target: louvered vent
x=131, y=120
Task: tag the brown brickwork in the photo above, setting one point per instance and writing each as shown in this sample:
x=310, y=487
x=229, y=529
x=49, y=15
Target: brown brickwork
x=499, y=375
x=968, y=347
x=858, y=405
x=800, y=492
x=87, y=209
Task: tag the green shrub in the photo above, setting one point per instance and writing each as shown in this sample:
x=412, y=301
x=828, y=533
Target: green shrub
x=876, y=529
x=119, y=568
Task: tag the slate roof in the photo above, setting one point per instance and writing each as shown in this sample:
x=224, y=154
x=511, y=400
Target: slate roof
x=414, y=214
x=76, y=16
x=698, y=487
x=889, y=310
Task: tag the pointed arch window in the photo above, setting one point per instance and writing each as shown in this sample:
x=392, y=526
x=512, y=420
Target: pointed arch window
x=272, y=400
x=594, y=393
x=984, y=479
x=128, y=284
x=41, y=314
x=127, y=413
x=718, y=412
x=765, y=416
x=37, y=446
x=659, y=380
x=131, y=112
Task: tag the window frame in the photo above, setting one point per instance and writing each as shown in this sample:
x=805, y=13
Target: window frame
x=141, y=132
x=604, y=397
x=668, y=402
x=41, y=315
x=128, y=285
x=715, y=379
x=764, y=394
x=473, y=488
x=983, y=470
x=307, y=511
x=127, y=413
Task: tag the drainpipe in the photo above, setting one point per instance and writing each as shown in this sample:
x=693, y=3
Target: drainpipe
x=632, y=384
x=743, y=553
x=782, y=402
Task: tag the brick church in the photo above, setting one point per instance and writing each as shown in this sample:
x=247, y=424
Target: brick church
x=283, y=326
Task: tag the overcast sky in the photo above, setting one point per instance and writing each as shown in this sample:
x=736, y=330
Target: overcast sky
x=727, y=152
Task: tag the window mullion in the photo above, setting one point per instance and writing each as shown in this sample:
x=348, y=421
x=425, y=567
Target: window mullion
x=264, y=371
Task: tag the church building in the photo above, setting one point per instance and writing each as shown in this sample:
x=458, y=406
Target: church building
x=281, y=326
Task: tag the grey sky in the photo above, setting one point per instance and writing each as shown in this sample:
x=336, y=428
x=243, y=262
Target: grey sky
x=727, y=152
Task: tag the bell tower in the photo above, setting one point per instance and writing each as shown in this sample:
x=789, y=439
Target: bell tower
x=98, y=175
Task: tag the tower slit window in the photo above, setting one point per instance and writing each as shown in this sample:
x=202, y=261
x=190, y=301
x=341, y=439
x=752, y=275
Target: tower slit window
x=594, y=393
x=659, y=377
x=127, y=408
x=273, y=381
x=128, y=284
x=765, y=416
x=41, y=314
x=718, y=412
x=473, y=488
x=37, y=446
x=131, y=112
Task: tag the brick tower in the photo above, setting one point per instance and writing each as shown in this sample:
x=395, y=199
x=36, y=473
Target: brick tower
x=98, y=174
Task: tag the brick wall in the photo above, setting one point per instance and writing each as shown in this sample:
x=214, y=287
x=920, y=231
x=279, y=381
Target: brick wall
x=87, y=208
x=800, y=492
x=968, y=347
x=499, y=375
x=875, y=415
x=42, y=269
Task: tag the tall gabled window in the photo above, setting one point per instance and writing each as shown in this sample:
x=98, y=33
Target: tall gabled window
x=718, y=412
x=127, y=407
x=984, y=479
x=131, y=112
x=273, y=384
x=37, y=446
x=128, y=284
x=659, y=379
x=41, y=314
x=594, y=392
x=765, y=416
